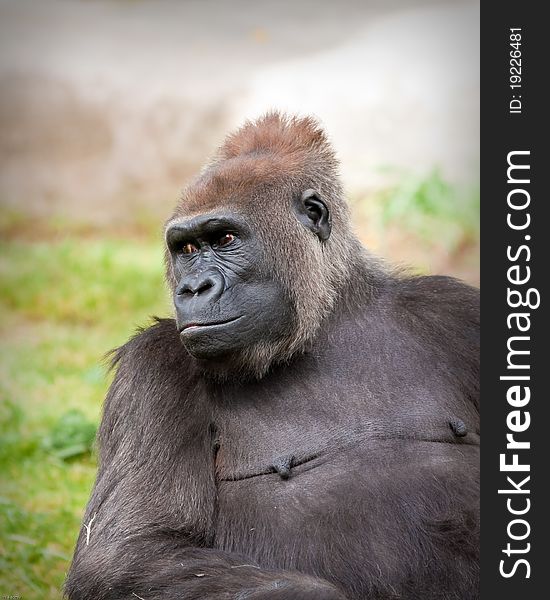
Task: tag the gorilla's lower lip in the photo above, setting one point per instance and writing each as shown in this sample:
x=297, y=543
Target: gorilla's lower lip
x=195, y=326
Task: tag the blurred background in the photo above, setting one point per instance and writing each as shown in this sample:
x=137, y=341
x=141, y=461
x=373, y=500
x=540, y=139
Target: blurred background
x=108, y=107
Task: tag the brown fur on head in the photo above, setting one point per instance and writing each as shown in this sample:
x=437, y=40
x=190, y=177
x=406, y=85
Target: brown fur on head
x=256, y=173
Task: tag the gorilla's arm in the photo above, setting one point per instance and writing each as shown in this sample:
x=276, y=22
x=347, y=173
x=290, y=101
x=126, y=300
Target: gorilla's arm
x=149, y=523
x=154, y=569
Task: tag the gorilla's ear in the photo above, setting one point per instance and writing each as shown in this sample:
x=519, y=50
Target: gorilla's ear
x=313, y=213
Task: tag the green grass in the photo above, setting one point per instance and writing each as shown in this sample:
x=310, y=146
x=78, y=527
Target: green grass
x=63, y=304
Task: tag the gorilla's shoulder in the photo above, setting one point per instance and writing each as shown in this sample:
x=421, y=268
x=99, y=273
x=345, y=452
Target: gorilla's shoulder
x=438, y=306
x=151, y=375
x=154, y=346
x=438, y=295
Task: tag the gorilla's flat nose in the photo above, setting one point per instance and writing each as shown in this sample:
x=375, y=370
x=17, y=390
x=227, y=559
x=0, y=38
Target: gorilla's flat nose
x=196, y=285
x=206, y=286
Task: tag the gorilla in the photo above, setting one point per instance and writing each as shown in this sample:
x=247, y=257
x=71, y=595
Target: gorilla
x=307, y=427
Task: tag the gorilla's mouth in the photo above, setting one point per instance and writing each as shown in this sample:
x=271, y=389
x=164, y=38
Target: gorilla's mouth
x=196, y=326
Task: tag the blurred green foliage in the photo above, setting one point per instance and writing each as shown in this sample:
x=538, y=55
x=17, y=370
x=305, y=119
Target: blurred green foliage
x=73, y=435
x=422, y=221
x=428, y=204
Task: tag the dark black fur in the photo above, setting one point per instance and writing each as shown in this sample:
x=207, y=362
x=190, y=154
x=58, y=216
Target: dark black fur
x=382, y=498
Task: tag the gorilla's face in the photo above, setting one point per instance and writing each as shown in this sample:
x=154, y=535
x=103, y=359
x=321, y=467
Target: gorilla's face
x=225, y=298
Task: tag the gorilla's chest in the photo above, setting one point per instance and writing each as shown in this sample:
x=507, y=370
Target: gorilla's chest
x=357, y=388
x=287, y=493
x=288, y=430
x=312, y=459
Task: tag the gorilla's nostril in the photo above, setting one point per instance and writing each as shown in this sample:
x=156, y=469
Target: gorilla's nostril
x=203, y=287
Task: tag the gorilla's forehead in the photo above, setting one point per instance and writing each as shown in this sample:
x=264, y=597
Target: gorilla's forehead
x=242, y=182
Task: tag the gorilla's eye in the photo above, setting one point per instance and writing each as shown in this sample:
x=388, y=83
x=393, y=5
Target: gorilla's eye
x=189, y=248
x=226, y=239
